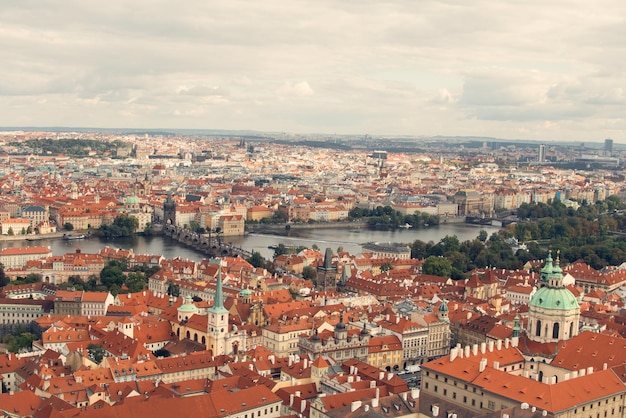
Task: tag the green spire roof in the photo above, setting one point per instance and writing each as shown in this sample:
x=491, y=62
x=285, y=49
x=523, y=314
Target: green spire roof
x=556, y=269
x=546, y=271
x=218, y=302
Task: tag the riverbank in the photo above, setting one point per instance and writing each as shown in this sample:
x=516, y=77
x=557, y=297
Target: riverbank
x=274, y=228
x=36, y=237
x=279, y=229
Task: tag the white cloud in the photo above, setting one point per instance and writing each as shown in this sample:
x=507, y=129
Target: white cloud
x=300, y=89
x=549, y=67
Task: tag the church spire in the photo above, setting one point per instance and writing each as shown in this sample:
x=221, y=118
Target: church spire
x=218, y=301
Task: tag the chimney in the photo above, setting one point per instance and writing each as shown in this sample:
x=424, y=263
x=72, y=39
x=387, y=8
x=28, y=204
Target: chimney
x=467, y=351
x=490, y=346
x=381, y=375
x=306, y=363
x=496, y=364
x=389, y=376
x=506, y=343
x=475, y=349
x=499, y=345
x=566, y=377
x=302, y=405
x=355, y=405
x=483, y=364
x=582, y=372
x=291, y=399
x=604, y=366
x=453, y=354
x=589, y=370
x=483, y=347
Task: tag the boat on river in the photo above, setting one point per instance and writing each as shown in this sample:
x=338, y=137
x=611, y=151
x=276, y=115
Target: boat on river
x=73, y=237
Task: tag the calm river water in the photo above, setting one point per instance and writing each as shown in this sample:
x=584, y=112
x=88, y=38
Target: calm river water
x=349, y=239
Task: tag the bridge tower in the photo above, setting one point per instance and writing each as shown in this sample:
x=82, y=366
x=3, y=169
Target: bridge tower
x=169, y=210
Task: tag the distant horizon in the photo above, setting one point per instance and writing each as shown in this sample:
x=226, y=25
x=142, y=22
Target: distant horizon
x=238, y=132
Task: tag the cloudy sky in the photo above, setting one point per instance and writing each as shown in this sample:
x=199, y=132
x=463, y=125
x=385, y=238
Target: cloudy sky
x=548, y=70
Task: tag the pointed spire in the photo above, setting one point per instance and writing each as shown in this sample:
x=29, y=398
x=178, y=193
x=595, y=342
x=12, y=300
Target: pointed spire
x=328, y=259
x=218, y=301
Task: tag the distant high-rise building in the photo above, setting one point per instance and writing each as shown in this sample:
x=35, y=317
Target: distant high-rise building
x=542, y=153
x=608, y=145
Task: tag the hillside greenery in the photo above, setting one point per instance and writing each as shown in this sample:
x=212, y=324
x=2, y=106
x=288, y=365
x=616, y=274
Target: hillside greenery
x=70, y=147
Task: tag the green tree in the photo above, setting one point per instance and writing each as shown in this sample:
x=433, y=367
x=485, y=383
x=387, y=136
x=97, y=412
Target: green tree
x=68, y=226
x=148, y=230
x=256, y=259
x=96, y=352
x=10, y=231
x=386, y=266
x=437, y=266
x=136, y=281
x=4, y=280
x=19, y=340
x=482, y=235
x=123, y=226
x=173, y=289
x=112, y=275
x=309, y=273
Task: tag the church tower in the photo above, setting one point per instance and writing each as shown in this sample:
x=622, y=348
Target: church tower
x=442, y=312
x=74, y=191
x=218, y=319
x=327, y=274
x=553, y=311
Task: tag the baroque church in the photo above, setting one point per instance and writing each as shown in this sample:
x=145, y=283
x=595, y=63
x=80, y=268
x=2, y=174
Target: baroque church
x=210, y=328
x=553, y=311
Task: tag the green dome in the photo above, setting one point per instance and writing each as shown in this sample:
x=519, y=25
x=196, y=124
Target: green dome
x=132, y=200
x=551, y=298
x=188, y=306
x=245, y=293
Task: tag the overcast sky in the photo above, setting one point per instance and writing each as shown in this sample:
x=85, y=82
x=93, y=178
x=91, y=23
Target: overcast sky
x=548, y=70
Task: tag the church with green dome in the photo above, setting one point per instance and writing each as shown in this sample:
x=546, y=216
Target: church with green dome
x=553, y=311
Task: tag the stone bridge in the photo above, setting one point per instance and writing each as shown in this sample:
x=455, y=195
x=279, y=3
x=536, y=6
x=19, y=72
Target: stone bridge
x=209, y=244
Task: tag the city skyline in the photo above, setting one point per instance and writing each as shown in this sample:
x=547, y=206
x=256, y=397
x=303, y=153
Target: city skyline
x=543, y=71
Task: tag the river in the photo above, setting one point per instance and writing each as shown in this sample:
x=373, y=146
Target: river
x=349, y=239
